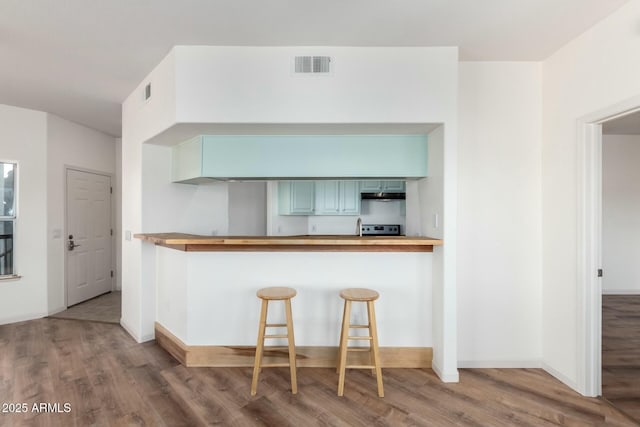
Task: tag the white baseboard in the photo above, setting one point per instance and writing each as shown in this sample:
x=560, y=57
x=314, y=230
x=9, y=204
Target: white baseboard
x=621, y=292
x=21, y=318
x=446, y=377
x=501, y=364
x=560, y=377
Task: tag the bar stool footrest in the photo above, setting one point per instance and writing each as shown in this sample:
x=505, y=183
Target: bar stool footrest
x=360, y=338
x=276, y=325
x=277, y=336
x=367, y=349
x=360, y=366
x=275, y=365
x=359, y=326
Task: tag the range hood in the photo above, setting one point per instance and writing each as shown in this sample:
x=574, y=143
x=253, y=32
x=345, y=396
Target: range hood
x=384, y=197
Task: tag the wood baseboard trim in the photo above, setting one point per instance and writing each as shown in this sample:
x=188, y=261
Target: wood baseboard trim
x=306, y=356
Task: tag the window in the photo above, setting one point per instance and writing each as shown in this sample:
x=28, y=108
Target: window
x=7, y=217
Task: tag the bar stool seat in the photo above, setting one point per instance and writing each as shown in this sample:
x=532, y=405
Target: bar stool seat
x=367, y=296
x=266, y=295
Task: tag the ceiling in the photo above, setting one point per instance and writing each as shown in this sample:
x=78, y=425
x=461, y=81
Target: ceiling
x=625, y=125
x=80, y=59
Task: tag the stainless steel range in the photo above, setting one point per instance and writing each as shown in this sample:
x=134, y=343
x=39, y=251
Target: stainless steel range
x=380, y=230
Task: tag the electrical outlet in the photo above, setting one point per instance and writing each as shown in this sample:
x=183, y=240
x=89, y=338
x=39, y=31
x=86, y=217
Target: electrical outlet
x=436, y=220
x=314, y=228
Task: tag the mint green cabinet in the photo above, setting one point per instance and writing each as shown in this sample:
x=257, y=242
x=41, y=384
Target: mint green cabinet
x=296, y=197
x=396, y=186
x=337, y=198
x=249, y=157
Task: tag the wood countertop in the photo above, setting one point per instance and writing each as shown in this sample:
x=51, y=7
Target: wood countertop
x=312, y=243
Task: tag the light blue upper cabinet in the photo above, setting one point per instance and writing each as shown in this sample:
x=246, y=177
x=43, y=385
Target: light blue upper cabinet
x=370, y=186
x=296, y=197
x=350, y=197
x=395, y=186
x=327, y=198
x=300, y=156
x=337, y=198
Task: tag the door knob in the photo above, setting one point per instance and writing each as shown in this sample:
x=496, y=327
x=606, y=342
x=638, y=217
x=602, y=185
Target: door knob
x=71, y=245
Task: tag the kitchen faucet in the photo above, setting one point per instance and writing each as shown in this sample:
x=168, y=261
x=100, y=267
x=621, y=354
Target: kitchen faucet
x=359, y=227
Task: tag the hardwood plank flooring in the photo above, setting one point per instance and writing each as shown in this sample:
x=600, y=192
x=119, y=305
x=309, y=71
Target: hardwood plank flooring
x=109, y=380
x=621, y=352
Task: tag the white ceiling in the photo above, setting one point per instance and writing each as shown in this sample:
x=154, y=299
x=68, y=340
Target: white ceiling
x=79, y=59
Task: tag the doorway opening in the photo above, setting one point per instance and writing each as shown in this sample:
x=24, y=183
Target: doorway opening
x=620, y=252
x=590, y=269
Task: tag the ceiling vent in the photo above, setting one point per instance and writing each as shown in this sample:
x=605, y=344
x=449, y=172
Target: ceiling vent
x=312, y=64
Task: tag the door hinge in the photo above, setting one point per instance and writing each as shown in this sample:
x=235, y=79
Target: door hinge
x=111, y=190
x=111, y=231
x=599, y=272
x=111, y=273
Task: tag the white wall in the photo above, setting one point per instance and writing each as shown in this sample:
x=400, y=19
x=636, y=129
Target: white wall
x=167, y=206
x=23, y=139
x=218, y=84
x=247, y=208
x=117, y=191
x=621, y=214
x=74, y=145
x=140, y=119
x=499, y=222
x=596, y=70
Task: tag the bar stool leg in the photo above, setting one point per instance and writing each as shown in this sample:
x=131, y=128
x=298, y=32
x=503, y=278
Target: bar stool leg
x=374, y=343
x=259, y=347
x=344, y=310
x=371, y=355
x=292, y=348
x=346, y=322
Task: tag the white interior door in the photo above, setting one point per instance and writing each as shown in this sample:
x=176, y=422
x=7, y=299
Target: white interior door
x=88, y=244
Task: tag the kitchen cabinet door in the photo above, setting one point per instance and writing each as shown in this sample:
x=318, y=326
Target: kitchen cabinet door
x=370, y=186
x=327, y=198
x=296, y=197
x=393, y=186
x=350, y=198
x=337, y=198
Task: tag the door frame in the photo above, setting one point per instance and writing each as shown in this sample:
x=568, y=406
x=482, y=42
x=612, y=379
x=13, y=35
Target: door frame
x=589, y=243
x=111, y=176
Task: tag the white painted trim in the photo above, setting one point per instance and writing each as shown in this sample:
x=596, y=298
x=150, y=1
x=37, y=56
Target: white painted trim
x=22, y=318
x=589, y=247
x=500, y=364
x=559, y=376
x=621, y=292
x=445, y=377
x=589, y=258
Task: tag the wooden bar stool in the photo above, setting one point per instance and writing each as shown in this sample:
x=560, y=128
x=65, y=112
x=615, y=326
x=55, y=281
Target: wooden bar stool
x=266, y=295
x=359, y=295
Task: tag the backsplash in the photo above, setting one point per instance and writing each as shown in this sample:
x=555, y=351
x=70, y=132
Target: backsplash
x=371, y=212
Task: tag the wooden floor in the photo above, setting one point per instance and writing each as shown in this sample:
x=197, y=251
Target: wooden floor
x=105, y=308
x=621, y=352
x=109, y=380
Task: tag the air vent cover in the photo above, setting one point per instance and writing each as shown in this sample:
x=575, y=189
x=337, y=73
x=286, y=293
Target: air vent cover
x=312, y=64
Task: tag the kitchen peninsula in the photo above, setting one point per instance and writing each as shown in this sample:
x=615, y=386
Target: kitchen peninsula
x=310, y=243
x=207, y=311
